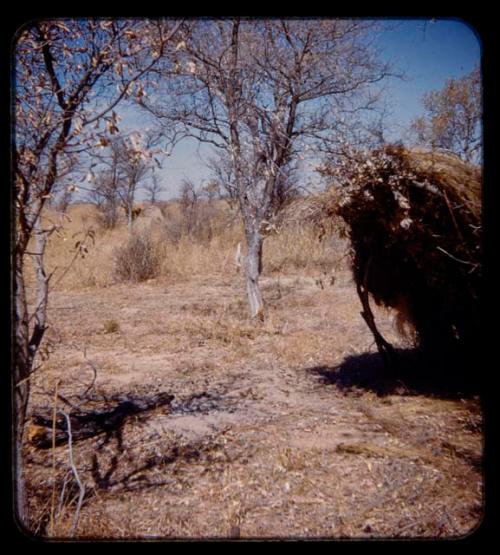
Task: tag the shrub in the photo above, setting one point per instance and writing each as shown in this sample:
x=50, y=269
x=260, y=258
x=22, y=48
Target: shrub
x=111, y=326
x=139, y=259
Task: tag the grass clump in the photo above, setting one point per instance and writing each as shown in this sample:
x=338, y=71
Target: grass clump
x=139, y=259
x=111, y=326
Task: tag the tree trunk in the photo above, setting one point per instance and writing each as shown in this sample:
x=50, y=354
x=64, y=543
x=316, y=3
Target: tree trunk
x=20, y=506
x=129, y=217
x=21, y=384
x=253, y=271
x=27, y=343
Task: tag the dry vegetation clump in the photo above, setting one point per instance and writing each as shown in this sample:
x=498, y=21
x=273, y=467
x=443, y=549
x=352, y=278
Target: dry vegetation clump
x=313, y=209
x=139, y=259
x=111, y=326
x=414, y=221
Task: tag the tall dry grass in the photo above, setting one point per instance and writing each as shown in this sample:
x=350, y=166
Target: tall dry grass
x=178, y=249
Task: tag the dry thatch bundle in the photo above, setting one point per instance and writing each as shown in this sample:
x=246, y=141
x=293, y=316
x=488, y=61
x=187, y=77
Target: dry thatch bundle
x=414, y=221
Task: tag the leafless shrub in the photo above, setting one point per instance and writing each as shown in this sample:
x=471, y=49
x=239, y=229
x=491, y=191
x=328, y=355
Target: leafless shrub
x=138, y=259
x=111, y=326
x=153, y=188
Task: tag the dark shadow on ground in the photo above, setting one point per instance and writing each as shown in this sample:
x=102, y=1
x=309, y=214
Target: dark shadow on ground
x=413, y=373
x=136, y=476
x=87, y=423
x=109, y=463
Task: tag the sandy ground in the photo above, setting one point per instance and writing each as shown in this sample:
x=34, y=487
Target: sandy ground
x=284, y=430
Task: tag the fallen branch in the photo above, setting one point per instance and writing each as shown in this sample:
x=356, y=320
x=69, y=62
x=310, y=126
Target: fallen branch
x=94, y=369
x=75, y=473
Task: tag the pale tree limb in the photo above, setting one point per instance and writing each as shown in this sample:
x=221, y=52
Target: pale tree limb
x=53, y=502
x=61, y=497
x=455, y=258
x=75, y=473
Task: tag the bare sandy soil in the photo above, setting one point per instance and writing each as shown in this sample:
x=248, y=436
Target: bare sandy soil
x=284, y=430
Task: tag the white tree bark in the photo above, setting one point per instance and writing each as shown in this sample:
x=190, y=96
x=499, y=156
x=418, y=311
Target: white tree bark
x=253, y=269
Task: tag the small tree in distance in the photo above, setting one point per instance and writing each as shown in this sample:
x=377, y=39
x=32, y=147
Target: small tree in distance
x=189, y=201
x=153, y=187
x=127, y=163
x=452, y=119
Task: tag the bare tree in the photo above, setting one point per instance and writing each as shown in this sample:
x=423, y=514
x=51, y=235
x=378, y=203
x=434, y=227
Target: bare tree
x=104, y=195
x=127, y=162
x=259, y=91
x=287, y=184
x=133, y=167
x=452, y=119
x=221, y=168
x=211, y=190
x=153, y=187
x=69, y=75
x=189, y=204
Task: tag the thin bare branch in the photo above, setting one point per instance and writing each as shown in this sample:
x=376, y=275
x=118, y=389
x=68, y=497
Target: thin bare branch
x=75, y=473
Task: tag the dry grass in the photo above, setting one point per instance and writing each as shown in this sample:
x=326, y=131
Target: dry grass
x=111, y=326
x=260, y=441
x=177, y=256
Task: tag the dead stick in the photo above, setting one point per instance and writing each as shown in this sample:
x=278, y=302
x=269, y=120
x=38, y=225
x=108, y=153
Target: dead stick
x=61, y=497
x=94, y=369
x=53, y=503
x=75, y=472
x=384, y=347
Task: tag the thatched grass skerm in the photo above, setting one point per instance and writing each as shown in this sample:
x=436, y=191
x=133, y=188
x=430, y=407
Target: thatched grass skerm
x=414, y=221
x=139, y=259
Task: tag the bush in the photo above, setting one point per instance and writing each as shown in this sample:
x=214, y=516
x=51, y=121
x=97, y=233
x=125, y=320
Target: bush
x=139, y=259
x=111, y=326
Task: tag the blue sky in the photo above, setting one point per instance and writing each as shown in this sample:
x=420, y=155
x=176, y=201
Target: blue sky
x=428, y=52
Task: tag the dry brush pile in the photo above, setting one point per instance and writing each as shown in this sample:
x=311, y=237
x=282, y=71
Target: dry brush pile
x=413, y=218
